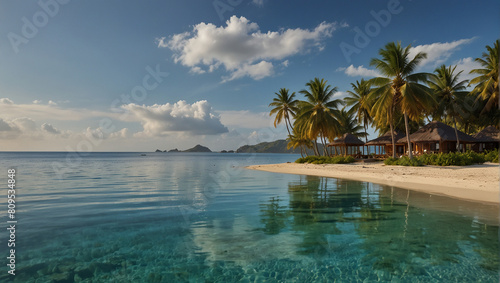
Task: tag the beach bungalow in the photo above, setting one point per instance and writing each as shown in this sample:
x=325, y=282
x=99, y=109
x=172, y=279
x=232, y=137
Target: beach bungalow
x=436, y=137
x=487, y=139
x=383, y=144
x=348, y=144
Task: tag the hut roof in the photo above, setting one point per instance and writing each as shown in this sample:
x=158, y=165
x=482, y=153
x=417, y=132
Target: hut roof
x=385, y=138
x=347, y=139
x=488, y=134
x=437, y=131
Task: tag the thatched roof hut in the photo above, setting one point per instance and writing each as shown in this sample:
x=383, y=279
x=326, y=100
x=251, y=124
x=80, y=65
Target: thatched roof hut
x=488, y=134
x=385, y=138
x=437, y=137
x=438, y=132
x=348, y=144
x=347, y=139
x=487, y=139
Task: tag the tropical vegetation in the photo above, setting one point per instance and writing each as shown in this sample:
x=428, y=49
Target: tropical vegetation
x=446, y=159
x=399, y=99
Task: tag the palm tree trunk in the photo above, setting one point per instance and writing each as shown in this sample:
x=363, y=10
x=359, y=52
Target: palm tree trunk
x=410, y=155
x=456, y=133
x=366, y=137
x=315, y=148
x=393, y=141
x=286, y=124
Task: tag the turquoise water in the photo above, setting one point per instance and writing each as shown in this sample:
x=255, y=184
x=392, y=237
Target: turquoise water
x=123, y=217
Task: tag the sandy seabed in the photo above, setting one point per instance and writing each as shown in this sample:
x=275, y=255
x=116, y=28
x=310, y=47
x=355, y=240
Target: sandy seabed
x=479, y=183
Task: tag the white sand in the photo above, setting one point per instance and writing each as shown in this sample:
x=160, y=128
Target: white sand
x=478, y=183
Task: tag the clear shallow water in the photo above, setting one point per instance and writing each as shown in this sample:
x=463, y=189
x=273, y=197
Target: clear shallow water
x=123, y=217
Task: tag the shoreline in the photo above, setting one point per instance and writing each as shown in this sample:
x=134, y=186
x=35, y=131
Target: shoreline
x=477, y=183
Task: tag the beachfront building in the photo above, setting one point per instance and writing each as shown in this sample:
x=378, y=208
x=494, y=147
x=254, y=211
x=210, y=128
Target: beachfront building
x=348, y=144
x=382, y=146
x=437, y=137
x=487, y=139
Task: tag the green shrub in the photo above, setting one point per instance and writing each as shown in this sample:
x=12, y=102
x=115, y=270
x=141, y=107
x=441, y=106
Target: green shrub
x=391, y=161
x=491, y=156
x=406, y=161
x=325, y=159
x=444, y=159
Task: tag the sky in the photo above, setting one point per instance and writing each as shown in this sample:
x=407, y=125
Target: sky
x=145, y=75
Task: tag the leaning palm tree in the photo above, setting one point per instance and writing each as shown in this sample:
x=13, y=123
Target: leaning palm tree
x=358, y=100
x=401, y=88
x=486, y=83
x=296, y=140
x=449, y=92
x=317, y=117
x=284, y=107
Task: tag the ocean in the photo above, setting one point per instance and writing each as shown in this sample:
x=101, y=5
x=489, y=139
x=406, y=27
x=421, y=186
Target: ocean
x=203, y=217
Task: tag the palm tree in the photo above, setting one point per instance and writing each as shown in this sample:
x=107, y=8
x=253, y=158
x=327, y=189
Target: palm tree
x=295, y=140
x=400, y=88
x=317, y=117
x=349, y=125
x=358, y=100
x=284, y=107
x=487, y=81
x=449, y=91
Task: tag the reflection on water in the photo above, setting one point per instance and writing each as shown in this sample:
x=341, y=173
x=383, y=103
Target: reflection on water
x=402, y=233
x=196, y=218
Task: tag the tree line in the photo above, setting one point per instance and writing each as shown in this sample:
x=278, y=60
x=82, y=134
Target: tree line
x=401, y=99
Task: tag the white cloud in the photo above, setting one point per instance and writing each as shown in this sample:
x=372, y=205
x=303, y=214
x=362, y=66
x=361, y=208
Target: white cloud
x=438, y=53
x=52, y=103
x=180, y=117
x=240, y=47
x=6, y=101
x=123, y=133
x=36, y=101
x=339, y=94
x=256, y=71
x=359, y=71
x=50, y=129
x=466, y=65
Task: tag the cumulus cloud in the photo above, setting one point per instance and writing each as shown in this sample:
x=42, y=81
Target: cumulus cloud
x=50, y=129
x=6, y=101
x=123, y=133
x=193, y=119
x=438, y=53
x=466, y=65
x=240, y=47
x=4, y=126
x=16, y=127
x=359, y=71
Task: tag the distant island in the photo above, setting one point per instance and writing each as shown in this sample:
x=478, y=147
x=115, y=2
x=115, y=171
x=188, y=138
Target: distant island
x=278, y=146
x=196, y=148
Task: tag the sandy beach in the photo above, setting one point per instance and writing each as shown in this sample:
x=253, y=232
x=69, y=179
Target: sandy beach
x=478, y=183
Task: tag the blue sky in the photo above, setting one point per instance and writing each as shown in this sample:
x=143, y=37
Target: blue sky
x=141, y=75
